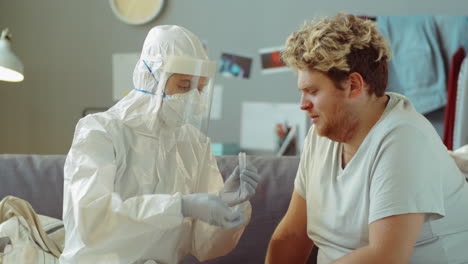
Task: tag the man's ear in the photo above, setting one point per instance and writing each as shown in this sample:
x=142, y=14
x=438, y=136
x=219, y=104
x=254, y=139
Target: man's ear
x=356, y=83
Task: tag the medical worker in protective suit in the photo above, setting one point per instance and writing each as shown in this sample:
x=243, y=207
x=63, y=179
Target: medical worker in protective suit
x=141, y=184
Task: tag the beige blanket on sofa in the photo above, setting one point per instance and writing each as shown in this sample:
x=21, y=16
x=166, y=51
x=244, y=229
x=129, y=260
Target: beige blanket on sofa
x=21, y=227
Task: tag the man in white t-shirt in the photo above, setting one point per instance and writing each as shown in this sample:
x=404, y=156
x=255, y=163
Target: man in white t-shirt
x=375, y=183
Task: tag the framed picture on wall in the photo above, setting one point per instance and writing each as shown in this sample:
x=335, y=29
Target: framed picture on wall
x=231, y=65
x=271, y=60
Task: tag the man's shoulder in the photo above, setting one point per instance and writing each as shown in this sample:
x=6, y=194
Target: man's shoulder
x=400, y=108
x=402, y=116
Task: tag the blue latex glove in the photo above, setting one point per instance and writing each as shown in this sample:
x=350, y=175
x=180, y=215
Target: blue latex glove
x=240, y=187
x=211, y=209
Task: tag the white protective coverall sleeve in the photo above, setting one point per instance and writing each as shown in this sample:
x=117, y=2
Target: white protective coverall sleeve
x=101, y=221
x=221, y=241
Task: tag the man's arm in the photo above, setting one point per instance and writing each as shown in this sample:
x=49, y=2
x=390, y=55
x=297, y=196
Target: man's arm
x=391, y=240
x=290, y=243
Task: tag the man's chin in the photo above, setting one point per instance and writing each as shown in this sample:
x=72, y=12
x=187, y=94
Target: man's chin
x=321, y=131
x=325, y=131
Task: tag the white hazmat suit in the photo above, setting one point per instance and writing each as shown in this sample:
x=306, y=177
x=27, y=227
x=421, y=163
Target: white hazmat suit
x=130, y=168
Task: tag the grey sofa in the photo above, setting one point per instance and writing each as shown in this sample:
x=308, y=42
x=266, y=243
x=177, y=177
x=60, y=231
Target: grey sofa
x=39, y=180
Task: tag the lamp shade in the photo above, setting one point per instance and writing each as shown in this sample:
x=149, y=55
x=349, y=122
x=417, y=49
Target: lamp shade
x=11, y=68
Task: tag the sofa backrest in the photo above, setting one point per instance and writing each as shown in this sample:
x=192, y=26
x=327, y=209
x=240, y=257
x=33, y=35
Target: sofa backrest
x=37, y=179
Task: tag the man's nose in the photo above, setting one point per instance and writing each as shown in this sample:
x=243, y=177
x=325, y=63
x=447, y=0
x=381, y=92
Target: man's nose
x=306, y=104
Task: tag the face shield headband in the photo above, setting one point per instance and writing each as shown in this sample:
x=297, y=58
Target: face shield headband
x=176, y=64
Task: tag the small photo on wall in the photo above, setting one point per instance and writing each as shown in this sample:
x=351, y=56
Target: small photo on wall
x=271, y=60
x=235, y=66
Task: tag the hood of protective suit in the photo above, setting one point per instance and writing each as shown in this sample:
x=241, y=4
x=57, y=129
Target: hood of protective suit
x=145, y=108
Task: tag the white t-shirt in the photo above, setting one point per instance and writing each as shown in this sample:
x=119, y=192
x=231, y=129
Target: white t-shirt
x=401, y=167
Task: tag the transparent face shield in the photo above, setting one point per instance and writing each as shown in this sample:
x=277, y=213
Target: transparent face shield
x=186, y=88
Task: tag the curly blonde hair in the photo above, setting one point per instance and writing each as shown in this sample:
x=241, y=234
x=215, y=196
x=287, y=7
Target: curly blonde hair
x=338, y=46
